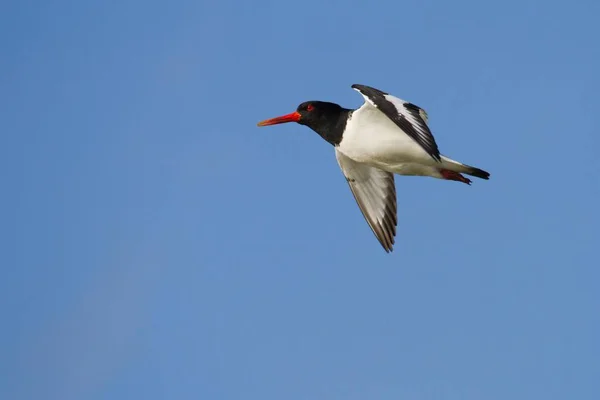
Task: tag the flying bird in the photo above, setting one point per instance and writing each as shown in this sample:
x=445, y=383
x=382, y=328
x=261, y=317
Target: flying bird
x=385, y=136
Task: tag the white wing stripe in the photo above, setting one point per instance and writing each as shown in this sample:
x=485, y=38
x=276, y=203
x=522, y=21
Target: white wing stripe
x=411, y=119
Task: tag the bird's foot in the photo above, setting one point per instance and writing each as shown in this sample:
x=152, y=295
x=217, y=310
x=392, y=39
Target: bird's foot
x=454, y=176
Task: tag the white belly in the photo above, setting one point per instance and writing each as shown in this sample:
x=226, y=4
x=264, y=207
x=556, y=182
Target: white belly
x=372, y=138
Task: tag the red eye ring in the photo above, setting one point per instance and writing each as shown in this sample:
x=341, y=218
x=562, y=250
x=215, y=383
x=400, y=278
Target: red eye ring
x=310, y=107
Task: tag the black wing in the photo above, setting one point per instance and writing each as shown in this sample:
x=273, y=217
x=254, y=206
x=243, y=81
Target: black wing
x=407, y=116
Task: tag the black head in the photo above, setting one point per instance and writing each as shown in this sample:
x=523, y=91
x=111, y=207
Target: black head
x=327, y=119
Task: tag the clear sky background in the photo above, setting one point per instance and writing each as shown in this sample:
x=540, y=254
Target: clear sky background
x=156, y=244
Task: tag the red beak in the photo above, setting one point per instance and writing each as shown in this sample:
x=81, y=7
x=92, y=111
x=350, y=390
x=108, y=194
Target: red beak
x=292, y=117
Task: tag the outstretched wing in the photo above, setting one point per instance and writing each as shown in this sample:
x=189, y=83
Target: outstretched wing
x=410, y=118
x=375, y=194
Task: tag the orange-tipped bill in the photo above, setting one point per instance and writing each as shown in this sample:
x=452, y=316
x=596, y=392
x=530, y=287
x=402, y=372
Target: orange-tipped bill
x=292, y=117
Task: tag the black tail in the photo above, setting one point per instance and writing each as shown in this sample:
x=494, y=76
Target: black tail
x=476, y=172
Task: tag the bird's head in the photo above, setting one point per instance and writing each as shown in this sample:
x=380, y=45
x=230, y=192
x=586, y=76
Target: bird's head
x=314, y=114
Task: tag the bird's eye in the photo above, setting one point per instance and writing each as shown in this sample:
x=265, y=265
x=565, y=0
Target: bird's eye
x=310, y=107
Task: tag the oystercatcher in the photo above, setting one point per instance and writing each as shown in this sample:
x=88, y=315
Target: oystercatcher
x=385, y=136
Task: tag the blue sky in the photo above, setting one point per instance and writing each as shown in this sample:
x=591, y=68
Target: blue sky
x=158, y=245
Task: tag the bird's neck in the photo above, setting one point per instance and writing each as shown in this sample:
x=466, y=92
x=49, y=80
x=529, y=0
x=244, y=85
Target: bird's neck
x=332, y=129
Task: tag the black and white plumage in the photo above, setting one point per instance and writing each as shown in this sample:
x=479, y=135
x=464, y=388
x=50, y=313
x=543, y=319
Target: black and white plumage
x=411, y=119
x=385, y=136
x=375, y=193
